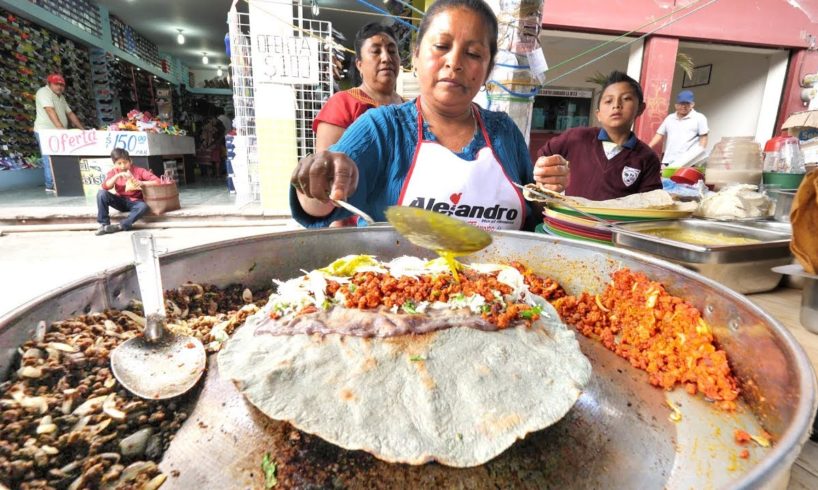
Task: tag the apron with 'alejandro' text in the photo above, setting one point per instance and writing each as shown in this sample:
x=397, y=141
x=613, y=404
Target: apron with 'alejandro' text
x=478, y=192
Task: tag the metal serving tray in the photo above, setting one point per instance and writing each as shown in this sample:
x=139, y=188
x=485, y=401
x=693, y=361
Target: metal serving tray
x=783, y=227
x=744, y=268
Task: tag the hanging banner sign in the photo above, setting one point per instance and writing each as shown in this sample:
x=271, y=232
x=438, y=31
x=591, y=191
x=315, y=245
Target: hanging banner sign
x=285, y=59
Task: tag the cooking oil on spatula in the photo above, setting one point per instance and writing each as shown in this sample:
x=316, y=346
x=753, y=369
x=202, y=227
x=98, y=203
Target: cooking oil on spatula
x=447, y=236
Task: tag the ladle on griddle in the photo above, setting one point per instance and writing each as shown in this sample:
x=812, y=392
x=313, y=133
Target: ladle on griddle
x=157, y=364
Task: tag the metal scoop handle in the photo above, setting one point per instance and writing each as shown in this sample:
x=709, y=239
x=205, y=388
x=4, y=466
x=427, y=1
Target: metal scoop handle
x=352, y=209
x=146, y=262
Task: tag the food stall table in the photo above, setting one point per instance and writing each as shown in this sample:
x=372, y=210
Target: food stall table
x=80, y=159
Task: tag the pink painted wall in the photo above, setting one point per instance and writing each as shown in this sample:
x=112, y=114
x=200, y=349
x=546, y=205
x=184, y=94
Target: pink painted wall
x=658, y=66
x=746, y=22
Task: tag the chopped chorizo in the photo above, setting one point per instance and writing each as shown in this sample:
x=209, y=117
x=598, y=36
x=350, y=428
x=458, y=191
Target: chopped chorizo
x=367, y=290
x=656, y=332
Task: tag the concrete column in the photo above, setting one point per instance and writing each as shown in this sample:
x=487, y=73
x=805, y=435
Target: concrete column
x=658, y=66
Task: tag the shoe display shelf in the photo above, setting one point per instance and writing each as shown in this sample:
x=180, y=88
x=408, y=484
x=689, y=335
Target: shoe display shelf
x=134, y=87
x=106, y=96
x=127, y=39
x=81, y=13
x=28, y=53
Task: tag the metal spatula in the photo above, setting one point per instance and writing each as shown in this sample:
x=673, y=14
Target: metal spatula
x=158, y=364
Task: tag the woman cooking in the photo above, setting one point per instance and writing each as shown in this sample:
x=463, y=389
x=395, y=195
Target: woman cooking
x=440, y=151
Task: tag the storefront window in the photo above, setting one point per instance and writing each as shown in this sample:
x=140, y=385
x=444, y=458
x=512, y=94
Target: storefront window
x=556, y=110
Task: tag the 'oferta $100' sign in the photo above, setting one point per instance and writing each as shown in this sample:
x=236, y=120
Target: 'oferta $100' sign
x=286, y=59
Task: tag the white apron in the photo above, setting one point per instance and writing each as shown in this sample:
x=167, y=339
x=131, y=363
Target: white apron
x=478, y=192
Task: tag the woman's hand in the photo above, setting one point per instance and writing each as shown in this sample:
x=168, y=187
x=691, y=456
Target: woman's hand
x=322, y=176
x=552, y=172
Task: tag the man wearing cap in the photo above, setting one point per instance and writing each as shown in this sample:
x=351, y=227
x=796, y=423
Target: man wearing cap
x=53, y=112
x=684, y=129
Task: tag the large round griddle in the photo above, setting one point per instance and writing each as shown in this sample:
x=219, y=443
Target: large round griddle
x=617, y=435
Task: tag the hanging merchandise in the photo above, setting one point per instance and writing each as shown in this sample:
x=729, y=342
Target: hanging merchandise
x=231, y=154
x=518, y=31
x=520, y=66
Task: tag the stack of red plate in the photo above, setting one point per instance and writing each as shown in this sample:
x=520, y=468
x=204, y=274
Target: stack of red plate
x=567, y=225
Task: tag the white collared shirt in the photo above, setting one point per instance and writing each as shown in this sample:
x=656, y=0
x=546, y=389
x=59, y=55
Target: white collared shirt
x=682, y=133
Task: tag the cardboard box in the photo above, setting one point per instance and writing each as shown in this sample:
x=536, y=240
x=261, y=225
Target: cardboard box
x=803, y=125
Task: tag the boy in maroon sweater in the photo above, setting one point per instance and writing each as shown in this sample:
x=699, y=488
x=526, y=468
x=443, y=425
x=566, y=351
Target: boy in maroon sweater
x=607, y=162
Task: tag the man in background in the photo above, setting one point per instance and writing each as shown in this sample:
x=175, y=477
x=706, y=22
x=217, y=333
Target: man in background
x=686, y=132
x=53, y=112
x=226, y=120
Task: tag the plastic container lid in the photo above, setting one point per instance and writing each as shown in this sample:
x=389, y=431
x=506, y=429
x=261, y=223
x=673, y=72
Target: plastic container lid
x=774, y=144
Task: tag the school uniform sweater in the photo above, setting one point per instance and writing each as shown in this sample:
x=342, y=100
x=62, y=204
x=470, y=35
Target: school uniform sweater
x=635, y=168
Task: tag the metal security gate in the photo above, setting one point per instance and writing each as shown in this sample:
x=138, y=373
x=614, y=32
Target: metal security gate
x=246, y=164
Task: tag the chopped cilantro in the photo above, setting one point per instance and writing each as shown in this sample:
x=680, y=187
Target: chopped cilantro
x=352, y=288
x=460, y=297
x=409, y=307
x=417, y=358
x=269, y=468
x=529, y=314
x=485, y=308
x=326, y=304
